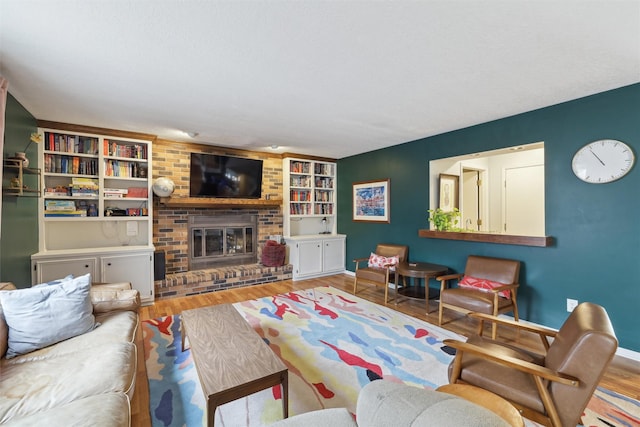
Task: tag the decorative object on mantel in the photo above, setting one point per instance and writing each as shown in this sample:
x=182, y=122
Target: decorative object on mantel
x=163, y=187
x=444, y=220
x=22, y=155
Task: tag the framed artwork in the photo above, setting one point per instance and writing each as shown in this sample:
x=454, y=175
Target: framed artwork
x=448, y=192
x=371, y=201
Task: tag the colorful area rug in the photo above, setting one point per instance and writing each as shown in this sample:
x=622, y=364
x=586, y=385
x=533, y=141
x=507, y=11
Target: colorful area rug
x=333, y=344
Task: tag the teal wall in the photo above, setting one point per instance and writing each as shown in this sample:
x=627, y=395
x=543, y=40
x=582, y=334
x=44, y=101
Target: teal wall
x=19, y=238
x=596, y=256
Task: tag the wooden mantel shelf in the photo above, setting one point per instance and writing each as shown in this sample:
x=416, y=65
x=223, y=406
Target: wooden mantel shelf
x=541, y=241
x=214, y=202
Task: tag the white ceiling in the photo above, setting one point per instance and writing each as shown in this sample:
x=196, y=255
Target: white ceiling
x=329, y=78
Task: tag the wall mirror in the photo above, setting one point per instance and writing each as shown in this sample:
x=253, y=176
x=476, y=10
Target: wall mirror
x=498, y=191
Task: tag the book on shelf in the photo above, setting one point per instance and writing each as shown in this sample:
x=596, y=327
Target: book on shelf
x=139, y=192
x=59, y=205
x=114, y=193
x=63, y=214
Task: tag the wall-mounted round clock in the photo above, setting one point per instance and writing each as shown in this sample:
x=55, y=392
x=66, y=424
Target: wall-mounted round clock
x=603, y=161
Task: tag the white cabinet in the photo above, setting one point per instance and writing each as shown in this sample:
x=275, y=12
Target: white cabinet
x=316, y=255
x=136, y=268
x=133, y=264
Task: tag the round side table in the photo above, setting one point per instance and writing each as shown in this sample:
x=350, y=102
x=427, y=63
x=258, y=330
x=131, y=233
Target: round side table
x=418, y=270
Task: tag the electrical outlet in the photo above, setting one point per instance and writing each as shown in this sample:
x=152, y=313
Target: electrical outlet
x=571, y=304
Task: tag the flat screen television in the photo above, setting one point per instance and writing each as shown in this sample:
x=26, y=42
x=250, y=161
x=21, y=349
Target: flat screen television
x=212, y=175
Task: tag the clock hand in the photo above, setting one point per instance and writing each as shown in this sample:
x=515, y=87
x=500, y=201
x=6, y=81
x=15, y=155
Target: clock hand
x=596, y=156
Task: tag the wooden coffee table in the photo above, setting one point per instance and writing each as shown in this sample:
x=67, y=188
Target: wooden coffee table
x=231, y=359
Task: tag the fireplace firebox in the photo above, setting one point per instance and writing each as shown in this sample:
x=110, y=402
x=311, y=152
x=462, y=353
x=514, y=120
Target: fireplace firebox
x=216, y=241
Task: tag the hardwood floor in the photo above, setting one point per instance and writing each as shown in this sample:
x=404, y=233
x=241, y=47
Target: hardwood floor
x=623, y=375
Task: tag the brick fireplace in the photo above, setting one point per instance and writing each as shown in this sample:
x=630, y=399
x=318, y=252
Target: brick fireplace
x=171, y=223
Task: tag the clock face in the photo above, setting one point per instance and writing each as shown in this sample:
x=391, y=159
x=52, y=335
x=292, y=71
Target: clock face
x=603, y=161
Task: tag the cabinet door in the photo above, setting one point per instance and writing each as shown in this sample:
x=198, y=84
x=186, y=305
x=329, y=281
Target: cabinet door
x=52, y=269
x=134, y=268
x=309, y=257
x=333, y=255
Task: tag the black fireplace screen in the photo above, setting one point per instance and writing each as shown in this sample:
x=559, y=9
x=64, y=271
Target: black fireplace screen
x=212, y=245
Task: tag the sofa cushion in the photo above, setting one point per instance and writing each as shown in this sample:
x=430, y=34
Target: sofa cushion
x=330, y=417
x=40, y=316
x=104, y=410
x=115, y=327
x=384, y=403
x=105, y=300
x=41, y=385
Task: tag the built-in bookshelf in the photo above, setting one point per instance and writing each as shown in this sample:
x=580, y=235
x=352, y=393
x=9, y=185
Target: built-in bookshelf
x=90, y=177
x=309, y=191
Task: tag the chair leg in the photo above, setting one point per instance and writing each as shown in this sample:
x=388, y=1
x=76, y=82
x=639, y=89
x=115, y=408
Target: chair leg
x=440, y=310
x=355, y=284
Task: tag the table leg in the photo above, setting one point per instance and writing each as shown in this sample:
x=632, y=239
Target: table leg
x=183, y=332
x=285, y=394
x=395, y=290
x=212, y=405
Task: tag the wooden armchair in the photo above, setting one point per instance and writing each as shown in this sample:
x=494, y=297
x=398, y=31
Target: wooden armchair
x=552, y=388
x=488, y=285
x=379, y=276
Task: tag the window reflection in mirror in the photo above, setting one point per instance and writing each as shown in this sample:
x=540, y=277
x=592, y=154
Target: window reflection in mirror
x=500, y=191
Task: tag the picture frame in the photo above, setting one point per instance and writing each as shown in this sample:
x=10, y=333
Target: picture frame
x=448, y=199
x=371, y=201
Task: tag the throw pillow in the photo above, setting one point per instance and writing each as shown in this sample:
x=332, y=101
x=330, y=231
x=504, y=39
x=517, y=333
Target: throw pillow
x=379, y=261
x=41, y=316
x=55, y=282
x=483, y=285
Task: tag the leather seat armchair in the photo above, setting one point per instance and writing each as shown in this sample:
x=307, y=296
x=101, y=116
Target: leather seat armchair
x=497, y=284
x=553, y=388
x=379, y=276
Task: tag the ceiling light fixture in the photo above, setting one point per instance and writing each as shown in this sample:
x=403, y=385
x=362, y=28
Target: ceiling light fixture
x=274, y=146
x=192, y=134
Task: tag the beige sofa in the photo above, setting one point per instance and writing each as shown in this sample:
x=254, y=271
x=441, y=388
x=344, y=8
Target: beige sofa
x=86, y=380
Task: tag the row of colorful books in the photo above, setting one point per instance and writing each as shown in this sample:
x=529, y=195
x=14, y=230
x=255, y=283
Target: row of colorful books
x=70, y=143
x=121, y=149
x=54, y=163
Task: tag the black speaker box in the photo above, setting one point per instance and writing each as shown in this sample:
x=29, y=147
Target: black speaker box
x=159, y=266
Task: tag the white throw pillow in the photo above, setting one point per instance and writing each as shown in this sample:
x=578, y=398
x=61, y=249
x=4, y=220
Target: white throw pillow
x=41, y=316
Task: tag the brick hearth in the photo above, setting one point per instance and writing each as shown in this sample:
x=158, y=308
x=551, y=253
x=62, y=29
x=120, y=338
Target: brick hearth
x=217, y=279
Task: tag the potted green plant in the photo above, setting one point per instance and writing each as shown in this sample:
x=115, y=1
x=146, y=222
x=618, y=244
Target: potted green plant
x=444, y=221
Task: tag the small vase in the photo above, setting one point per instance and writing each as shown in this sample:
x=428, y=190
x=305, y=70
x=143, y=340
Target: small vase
x=23, y=156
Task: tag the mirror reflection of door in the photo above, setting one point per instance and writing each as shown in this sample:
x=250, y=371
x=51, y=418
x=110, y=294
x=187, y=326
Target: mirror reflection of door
x=524, y=201
x=470, y=199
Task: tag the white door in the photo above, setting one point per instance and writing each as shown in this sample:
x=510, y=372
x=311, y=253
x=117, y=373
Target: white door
x=53, y=269
x=133, y=268
x=333, y=255
x=470, y=200
x=524, y=201
x=309, y=257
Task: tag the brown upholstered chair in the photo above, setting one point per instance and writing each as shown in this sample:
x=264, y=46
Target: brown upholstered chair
x=552, y=388
x=503, y=273
x=380, y=276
